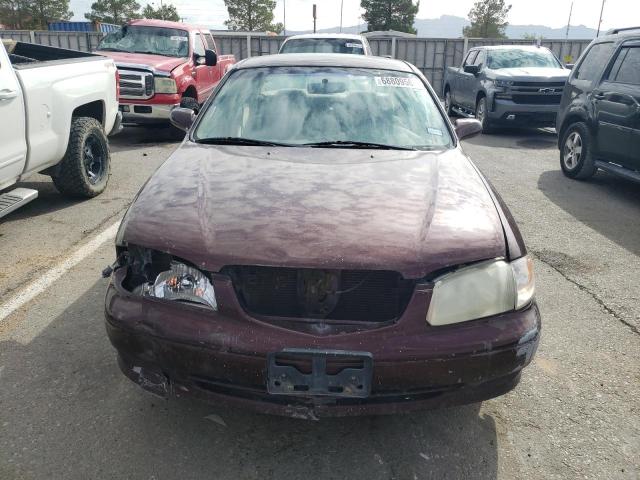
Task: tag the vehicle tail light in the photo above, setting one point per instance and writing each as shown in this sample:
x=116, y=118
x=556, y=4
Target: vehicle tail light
x=117, y=86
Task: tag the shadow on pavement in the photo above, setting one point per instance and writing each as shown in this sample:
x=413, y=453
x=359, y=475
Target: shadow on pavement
x=68, y=412
x=136, y=136
x=605, y=203
x=525, y=138
x=49, y=199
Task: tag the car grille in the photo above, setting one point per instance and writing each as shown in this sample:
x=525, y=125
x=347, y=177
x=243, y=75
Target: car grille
x=538, y=99
x=135, y=84
x=341, y=295
x=537, y=93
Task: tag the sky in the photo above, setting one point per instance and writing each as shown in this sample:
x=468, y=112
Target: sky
x=552, y=13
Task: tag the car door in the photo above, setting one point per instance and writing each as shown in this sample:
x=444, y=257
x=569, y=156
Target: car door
x=465, y=82
x=215, y=71
x=617, y=107
x=480, y=62
x=203, y=73
x=13, y=150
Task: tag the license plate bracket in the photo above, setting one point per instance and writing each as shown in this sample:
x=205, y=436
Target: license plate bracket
x=352, y=381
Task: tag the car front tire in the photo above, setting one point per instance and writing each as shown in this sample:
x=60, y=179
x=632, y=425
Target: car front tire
x=482, y=115
x=576, y=153
x=84, y=171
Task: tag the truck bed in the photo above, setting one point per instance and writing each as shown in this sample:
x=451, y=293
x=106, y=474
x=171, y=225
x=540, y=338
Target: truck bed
x=30, y=55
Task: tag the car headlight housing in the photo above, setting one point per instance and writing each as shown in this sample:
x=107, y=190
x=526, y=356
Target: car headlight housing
x=481, y=290
x=181, y=283
x=165, y=85
x=504, y=83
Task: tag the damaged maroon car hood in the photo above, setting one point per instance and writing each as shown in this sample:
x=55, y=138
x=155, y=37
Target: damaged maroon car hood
x=413, y=212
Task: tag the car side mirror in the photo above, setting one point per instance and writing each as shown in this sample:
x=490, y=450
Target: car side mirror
x=569, y=66
x=182, y=118
x=472, y=69
x=210, y=58
x=467, y=127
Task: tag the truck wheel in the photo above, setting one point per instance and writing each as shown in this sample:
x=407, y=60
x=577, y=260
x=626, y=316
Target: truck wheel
x=84, y=170
x=576, y=155
x=482, y=115
x=190, y=103
x=447, y=103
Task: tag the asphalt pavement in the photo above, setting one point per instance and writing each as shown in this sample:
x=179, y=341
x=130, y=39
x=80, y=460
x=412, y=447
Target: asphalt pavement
x=66, y=411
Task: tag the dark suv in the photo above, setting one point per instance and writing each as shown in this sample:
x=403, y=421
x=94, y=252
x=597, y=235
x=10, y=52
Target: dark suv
x=599, y=119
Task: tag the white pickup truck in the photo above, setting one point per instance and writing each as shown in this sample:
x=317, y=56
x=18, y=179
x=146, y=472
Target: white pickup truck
x=56, y=108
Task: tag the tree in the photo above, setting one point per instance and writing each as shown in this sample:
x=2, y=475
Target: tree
x=42, y=11
x=15, y=14
x=163, y=12
x=113, y=11
x=390, y=14
x=33, y=14
x=488, y=19
x=251, y=15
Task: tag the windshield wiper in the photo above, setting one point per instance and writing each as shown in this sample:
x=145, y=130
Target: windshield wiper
x=148, y=53
x=240, y=141
x=355, y=144
x=107, y=49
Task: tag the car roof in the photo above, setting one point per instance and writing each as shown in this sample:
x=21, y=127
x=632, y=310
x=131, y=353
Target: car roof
x=146, y=22
x=347, y=36
x=325, y=60
x=620, y=35
x=531, y=48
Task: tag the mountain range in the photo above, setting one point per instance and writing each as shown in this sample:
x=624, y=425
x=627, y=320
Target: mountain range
x=449, y=26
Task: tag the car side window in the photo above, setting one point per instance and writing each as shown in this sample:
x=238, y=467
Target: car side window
x=626, y=69
x=198, y=46
x=594, y=61
x=470, y=58
x=480, y=58
x=211, y=45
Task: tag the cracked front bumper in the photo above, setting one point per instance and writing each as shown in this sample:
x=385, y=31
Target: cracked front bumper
x=222, y=357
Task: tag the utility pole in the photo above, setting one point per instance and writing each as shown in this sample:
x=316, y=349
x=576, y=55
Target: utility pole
x=341, y=7
x=600, y=21
x=314, y=17
x=285, y=17
x=566, y=37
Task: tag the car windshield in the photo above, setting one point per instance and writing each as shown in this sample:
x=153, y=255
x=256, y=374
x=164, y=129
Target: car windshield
x=168, y=42
x=299, y=106
x=323, y=45
x=515, y=58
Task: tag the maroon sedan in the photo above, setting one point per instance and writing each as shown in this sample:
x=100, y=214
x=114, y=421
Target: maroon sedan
x=321, y=245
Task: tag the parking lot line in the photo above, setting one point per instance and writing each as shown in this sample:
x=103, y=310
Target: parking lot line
x=35, y=288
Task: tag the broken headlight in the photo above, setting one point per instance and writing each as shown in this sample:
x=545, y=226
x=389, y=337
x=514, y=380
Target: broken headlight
x=481, y=290
x=156, y=274
x=183, y=283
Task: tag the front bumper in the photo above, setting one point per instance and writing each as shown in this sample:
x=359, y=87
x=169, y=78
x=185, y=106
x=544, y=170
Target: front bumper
x=146, y=113
x=507, y=112
x=175, y=349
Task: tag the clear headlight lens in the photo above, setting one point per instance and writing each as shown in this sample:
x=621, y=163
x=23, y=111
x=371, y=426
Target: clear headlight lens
x=183, y=283
x=504, y=83
x=165, y=85
x=482, y=290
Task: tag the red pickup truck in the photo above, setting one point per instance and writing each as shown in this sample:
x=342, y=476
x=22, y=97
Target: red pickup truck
x=163, y=65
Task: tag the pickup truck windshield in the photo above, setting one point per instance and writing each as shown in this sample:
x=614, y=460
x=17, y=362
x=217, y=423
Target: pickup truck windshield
x=168, y=42
x=323, y=45
x=330, y=107
x=521, y=59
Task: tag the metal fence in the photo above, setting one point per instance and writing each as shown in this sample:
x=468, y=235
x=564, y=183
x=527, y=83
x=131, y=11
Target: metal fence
x=83, y=41
x=431, y=55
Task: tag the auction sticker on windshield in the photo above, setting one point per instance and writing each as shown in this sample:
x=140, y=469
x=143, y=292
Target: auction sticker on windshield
x=400, y=82
x=353, y=45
